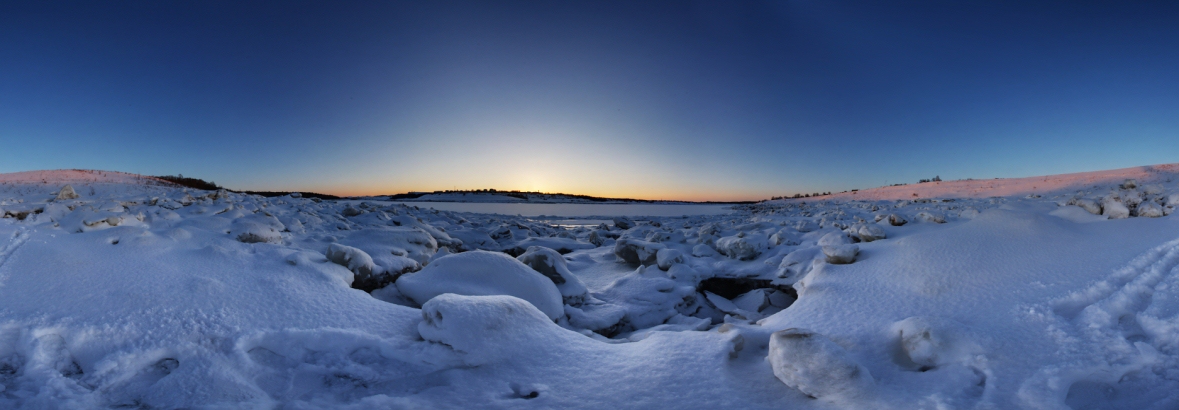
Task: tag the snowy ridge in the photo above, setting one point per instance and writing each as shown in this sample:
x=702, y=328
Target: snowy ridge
x=1003, y=187
x=78, y=176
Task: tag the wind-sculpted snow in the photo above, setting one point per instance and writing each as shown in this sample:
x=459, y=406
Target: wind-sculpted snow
x=136, y=293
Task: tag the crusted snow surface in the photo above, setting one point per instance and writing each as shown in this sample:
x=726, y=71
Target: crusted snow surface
x=140, y=294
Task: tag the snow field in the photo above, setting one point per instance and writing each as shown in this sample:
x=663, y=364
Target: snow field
x=136, y=294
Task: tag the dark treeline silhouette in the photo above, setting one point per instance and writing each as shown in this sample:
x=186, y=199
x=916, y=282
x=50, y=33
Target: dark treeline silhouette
x=190, y=182
x=198, y=183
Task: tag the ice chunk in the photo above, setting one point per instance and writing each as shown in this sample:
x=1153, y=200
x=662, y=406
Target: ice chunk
x=624, y=223
x=815, y=365
x=667, y=257
x=483, y=273
x=754, y=301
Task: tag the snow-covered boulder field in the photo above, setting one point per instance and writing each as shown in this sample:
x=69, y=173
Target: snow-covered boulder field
x=123, y=291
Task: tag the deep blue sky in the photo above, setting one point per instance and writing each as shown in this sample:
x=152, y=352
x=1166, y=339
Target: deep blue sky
x=693, y=100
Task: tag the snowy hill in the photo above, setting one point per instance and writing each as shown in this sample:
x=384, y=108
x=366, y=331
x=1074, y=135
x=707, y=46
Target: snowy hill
x=1002, y=187
x=144, y=295
x=77, y=176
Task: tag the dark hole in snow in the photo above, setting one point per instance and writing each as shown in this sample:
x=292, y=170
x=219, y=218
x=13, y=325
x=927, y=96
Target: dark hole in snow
x=730, y=288
x=72, y=370
x=167, y=365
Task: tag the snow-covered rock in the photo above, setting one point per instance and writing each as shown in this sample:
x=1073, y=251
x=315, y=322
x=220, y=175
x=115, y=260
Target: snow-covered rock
x=66, y=193
x=257, y=228
x=919, y=341
x=704, y=251
x=356, y=260
x=1173, y=200
x=1089, y=205
x=869, y=233
x=481, y=273
x=806, y=225
x=599, y=237
x=1149, y=210
x=667, y=257
x=637, y=252
x=841, y=254
x=816, y=366
x=1114, y=209
x=892, y=219
x=551, y=264
x=796, y=263
x=624, y=223
x=834, y=239
x=739, y=247
x=931, y=217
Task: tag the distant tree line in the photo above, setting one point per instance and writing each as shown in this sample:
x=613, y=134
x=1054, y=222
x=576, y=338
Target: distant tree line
x=796, y=196
x=936, y=178
x=190, y=182
x=198, y=183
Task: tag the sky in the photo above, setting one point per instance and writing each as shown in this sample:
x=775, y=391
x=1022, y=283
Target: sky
x=688, y=100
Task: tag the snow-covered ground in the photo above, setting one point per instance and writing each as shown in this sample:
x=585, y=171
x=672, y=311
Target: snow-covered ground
x=139, y=294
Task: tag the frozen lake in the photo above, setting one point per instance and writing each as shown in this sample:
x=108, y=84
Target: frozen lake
x=577, y=210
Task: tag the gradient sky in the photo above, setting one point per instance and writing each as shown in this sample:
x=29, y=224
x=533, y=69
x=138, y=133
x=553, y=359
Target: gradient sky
x=711, y=100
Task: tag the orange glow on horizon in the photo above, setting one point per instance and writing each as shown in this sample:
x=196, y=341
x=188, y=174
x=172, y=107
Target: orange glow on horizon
x=651, y=195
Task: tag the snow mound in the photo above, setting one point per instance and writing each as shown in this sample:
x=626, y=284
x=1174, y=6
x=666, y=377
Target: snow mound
x=816, y=366
x=483, y=273
x=491, y=329
x=257, y=228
